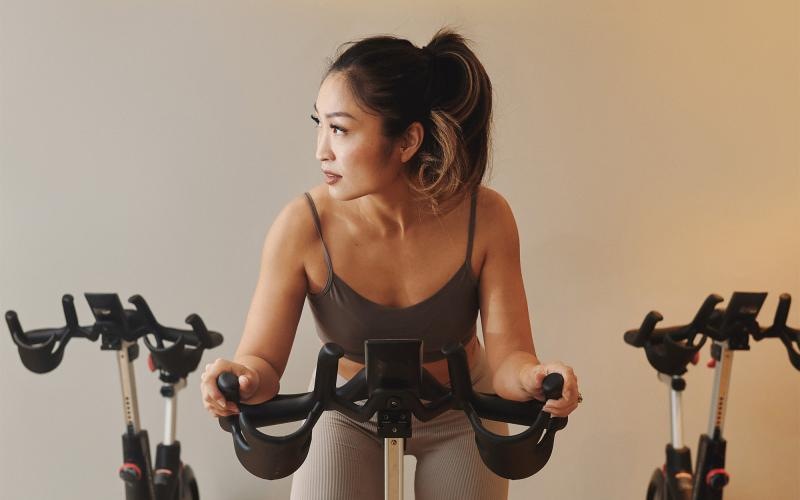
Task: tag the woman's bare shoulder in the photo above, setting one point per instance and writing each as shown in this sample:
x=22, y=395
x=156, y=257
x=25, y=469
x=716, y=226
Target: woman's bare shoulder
x=494, y=210
x=294, y=224
x=320, y=195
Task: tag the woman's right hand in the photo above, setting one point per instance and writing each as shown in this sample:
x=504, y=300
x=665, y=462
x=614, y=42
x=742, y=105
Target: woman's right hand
x=213, y=400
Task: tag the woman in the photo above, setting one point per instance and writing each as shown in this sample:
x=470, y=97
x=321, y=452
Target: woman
x=419, y=248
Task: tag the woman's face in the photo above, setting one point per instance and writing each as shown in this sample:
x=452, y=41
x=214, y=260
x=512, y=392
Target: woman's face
x=351, y=146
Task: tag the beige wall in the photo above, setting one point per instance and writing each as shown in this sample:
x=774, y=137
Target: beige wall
x=650, y=152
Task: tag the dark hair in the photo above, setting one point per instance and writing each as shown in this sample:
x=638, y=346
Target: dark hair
x=444, y=87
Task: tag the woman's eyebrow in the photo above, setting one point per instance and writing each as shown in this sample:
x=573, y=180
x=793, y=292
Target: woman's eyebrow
x=337, y=113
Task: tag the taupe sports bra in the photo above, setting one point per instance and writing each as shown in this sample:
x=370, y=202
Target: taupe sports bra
x=344, y=316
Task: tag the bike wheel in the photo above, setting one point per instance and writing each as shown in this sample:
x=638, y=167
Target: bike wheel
x=657, y=489
x=189, y=490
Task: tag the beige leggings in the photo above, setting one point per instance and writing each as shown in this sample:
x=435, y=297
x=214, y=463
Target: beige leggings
x=345, y=461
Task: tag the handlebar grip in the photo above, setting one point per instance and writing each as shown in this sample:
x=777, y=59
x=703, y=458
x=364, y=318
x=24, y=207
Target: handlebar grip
x=789, y=336
x=205, y=338
x=638, y=338
x=14, y=325
x=553, y=386
x=228, y=384
x=493, y=407
x=68, y=304
x=782, y=313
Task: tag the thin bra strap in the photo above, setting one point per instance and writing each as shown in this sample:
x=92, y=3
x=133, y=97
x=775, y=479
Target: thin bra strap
x=319, y=231
x=471, y=235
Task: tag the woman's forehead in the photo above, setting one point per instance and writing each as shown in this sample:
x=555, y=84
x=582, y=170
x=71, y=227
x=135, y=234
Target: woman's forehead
x=334, y=93
x=335, y=99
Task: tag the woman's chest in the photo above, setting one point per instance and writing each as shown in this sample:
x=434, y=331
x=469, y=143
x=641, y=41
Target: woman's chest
x=393, y=272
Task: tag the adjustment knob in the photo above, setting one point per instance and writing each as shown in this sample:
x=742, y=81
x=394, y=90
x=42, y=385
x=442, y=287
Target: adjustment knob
x=130, y=473
x=717, y=479
x=162, y=477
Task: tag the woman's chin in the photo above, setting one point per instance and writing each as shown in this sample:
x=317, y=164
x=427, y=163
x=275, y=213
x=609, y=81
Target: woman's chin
x=338, y=192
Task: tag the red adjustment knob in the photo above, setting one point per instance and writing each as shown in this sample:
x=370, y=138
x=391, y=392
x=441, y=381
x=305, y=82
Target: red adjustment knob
x=130, y=472
x=696, y=358
x=150, y=363
x=162, y=477
x=717, y=478
x=711, y=363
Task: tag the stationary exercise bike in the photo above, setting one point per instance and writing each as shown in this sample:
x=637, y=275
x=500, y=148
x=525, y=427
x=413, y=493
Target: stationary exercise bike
x=670, y=350
x=394, y=385
x=174, y=353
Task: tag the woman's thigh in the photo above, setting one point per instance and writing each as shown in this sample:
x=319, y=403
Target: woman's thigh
x=344, y=462
x=449, y=464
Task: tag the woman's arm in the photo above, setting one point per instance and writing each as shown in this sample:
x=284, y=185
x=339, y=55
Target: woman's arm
x=274, y=313
x=278, y=299
x=512, y=357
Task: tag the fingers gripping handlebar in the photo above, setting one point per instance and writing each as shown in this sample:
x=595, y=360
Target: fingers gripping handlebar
x=271, y=457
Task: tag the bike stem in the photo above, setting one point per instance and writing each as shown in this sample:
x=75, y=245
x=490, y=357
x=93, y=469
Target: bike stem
x=676, y=386
x=136, y=469
x=723, y=356
x=170, y=393
x=127, y=377
x=711, y=476
x=678, y=466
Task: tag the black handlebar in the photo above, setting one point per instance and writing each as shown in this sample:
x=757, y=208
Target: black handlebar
x=271, y=457
x=788, y=335
x=42, y=350
x=670, y=350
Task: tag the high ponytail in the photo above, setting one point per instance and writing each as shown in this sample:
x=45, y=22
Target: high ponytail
x=443, y=86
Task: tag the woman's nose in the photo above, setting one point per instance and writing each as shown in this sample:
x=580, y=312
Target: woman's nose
x=324, y=151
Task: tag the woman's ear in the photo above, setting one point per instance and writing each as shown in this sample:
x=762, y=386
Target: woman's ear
x=411, y=141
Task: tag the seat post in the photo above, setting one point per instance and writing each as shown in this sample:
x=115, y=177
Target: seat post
x=394, y=449
x=723, y=358
x=130, y=404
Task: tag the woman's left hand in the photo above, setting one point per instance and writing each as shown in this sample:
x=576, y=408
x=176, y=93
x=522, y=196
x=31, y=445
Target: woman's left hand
x=531, y=377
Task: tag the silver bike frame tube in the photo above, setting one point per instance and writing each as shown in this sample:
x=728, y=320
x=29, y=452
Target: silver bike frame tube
x=393, y=451
x=676, y=414
x=130, y=404
x=171, y=414
x=719, y=395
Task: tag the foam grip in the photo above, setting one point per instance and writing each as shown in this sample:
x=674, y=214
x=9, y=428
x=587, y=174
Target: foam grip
x=228, y=384
x=553, y=385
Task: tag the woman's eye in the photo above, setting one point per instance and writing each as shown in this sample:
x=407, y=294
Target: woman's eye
x=334, y=127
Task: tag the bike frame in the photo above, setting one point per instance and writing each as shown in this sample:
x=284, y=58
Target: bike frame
x=173, y=352
x=669, y=350
x=142, y=481
x=709, y=477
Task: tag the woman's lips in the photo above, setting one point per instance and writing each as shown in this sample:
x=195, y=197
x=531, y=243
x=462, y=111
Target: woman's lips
x=331, y=178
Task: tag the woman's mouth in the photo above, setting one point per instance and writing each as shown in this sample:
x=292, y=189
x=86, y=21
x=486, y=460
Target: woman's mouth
x=331, y=179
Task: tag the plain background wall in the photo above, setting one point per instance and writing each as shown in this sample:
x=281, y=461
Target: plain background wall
x=650, y=152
